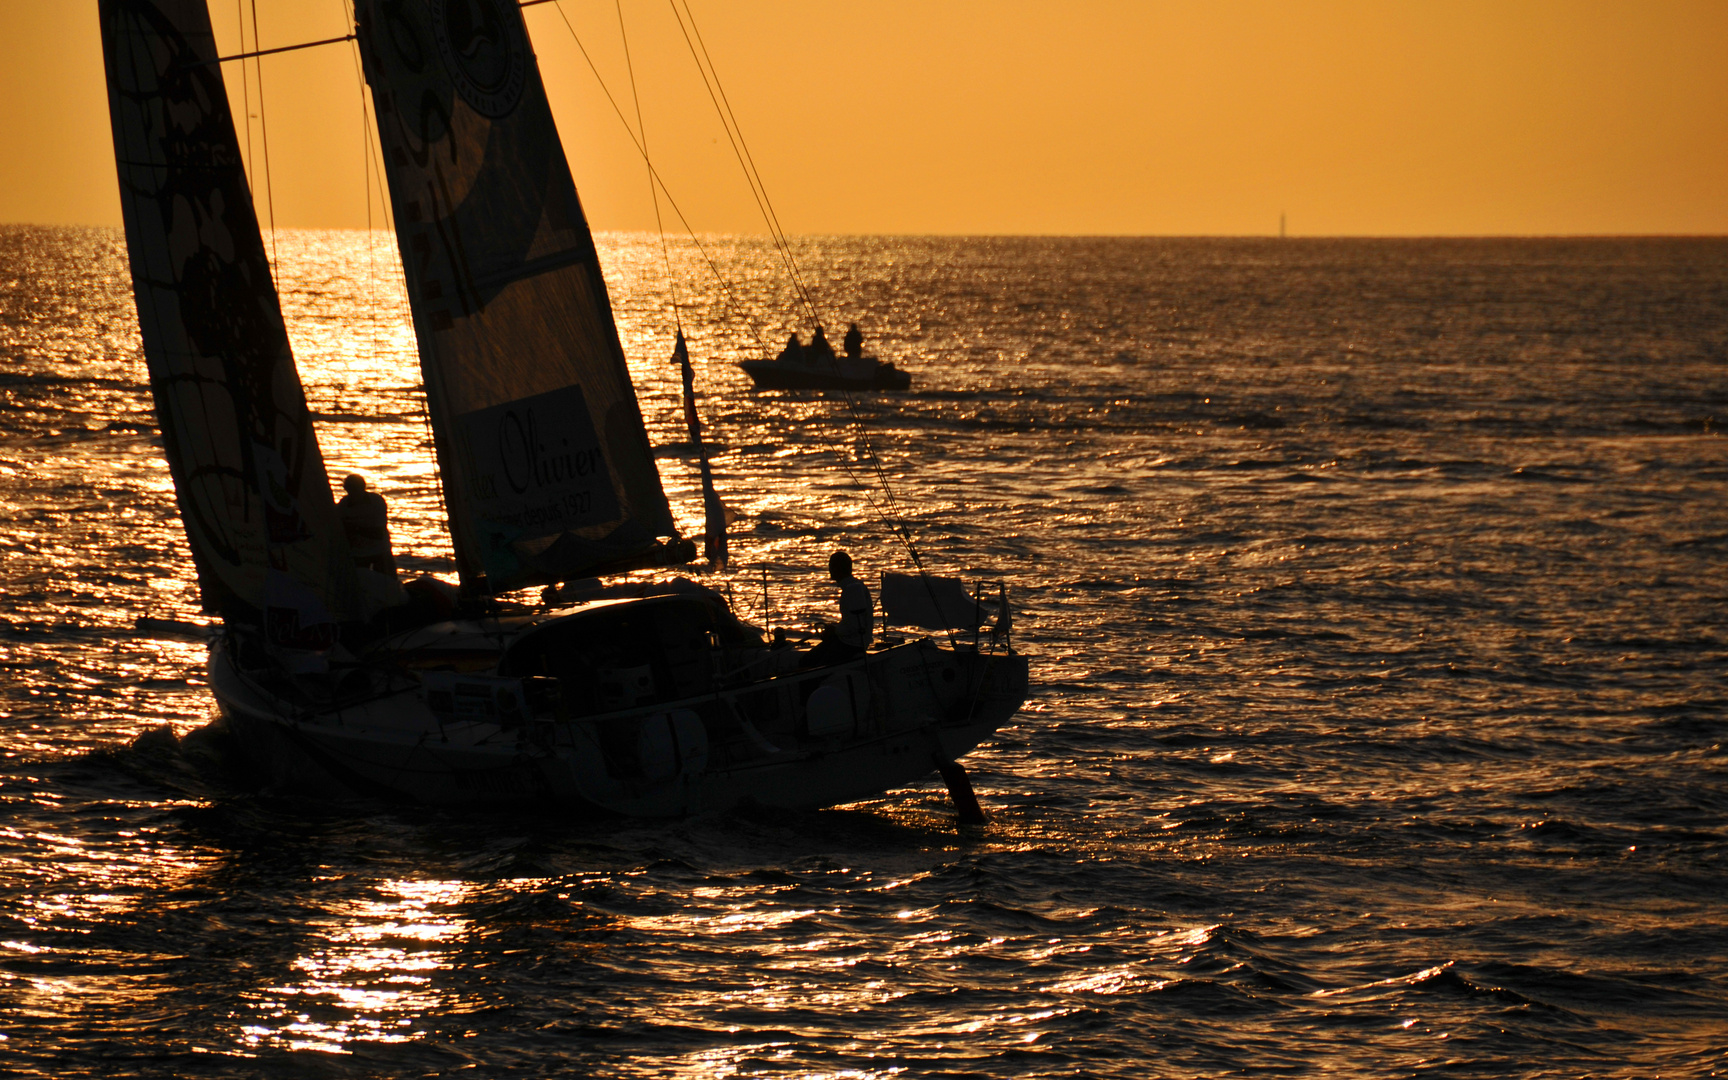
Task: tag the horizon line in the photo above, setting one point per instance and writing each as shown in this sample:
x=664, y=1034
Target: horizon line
x=1017, y=235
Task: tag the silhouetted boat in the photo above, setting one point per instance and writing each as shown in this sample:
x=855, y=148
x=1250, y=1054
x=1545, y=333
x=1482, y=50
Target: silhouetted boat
x=648, y=700
x=808, y=372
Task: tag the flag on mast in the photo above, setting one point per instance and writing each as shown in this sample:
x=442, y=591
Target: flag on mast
x=714, y=511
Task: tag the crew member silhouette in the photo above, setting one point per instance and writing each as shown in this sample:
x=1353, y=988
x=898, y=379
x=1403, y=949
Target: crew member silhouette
x=854, y=342
x=820, y=350
x=366, y=522
x=794, y=350
x=850, y=637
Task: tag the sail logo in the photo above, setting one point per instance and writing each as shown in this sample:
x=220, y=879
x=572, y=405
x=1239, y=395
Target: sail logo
x=484, y=48
x=529, y=462
x=536, y=465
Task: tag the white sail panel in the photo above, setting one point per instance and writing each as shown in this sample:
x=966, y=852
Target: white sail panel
x=248, y=475
x=547, y=470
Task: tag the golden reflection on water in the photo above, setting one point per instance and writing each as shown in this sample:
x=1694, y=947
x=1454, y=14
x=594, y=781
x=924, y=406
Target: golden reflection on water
x=1059, y=430
x=65, y=889
x=348, y=320
x=353, y=338
x=370, y=974
x=107, y=876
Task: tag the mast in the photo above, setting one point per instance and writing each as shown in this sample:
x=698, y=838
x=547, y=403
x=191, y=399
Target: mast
x=248, y=475
x=548, y=473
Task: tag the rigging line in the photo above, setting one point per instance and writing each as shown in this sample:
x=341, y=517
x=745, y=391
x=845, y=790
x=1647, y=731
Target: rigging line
x=374, y=147
x=257, y=52
x=376, y=181
x=734, y=134
x=882, y=478
x=725, y=289
x=730, y=303
x=899, y=531
x=653, y=192
x=799, y=281
x=751, y=172
x=245, y=87
x=404, y=312
x=374, y=152
x=893, y=517
x=758, y=191
x=371, y=238
x=688, y=375
x=365, y=182
x=264, y=138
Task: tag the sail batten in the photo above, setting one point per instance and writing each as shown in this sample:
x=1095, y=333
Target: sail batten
x=547, y=469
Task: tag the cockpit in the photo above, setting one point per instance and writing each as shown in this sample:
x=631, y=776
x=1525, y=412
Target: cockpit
x=617, y=656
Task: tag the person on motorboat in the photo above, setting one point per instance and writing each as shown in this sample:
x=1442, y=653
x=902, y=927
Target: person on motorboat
x=793, y=353
x=366, y=522
x=854, y=343
x=850, y=637
x=820, y=351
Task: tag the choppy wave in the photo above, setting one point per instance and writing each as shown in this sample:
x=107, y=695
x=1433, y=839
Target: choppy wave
x=1375, y=594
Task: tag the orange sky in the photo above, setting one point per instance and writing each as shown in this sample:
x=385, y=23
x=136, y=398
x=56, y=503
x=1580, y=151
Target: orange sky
x=1450, y=117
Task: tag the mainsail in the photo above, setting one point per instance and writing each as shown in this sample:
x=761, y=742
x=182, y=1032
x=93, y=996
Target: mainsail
x=248, y=475
x=547, y=470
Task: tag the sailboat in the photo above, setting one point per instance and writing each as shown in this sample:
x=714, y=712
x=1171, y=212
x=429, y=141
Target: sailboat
x=646, y=700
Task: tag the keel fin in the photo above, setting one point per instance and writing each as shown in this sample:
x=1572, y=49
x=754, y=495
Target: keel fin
x=960, y=790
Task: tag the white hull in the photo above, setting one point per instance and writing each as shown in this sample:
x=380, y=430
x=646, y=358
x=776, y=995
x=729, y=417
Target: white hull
x=886, y=719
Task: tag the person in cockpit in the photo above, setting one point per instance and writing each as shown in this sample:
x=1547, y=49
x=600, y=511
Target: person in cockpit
x=850, y=637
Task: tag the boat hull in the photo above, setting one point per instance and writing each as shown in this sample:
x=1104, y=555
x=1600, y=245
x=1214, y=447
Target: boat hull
x=778, y=375
x=922, y=705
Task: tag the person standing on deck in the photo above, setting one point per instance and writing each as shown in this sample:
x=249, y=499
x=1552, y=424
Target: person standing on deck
x=854, y=342
x=366, y=522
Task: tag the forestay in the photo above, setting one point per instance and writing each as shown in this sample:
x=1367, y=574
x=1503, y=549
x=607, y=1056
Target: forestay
x=248, y=476
x=547, y=470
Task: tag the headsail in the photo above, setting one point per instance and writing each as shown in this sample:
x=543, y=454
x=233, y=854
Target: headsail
x=247, y=471
x=548, y=474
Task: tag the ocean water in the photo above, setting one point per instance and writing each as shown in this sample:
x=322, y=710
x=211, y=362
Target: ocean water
x=1375, y=592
